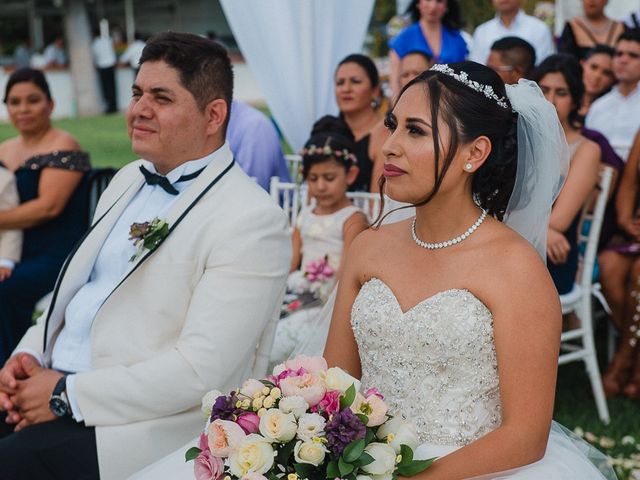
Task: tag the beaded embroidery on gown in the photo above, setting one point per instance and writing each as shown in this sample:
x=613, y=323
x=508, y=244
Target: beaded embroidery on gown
x=436, y=366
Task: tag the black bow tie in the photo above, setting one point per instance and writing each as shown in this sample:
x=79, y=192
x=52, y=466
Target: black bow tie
x=154, y=179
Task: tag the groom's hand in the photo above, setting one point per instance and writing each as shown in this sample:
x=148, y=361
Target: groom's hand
x=32, y=394
x=12, y=371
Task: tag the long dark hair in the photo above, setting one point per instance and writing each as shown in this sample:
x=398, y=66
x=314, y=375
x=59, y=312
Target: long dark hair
x=569, y=67
x=28, y=75
x=452, y=19
x=469, y=114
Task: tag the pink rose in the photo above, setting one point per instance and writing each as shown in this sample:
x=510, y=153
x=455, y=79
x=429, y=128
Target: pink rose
x=373, y=407
x=280, y=373
x=374, y=391
x=249, y=422
x=310, y=364
x=208, y=467
x=307, y=386
x=330, y=403
x=224, y=437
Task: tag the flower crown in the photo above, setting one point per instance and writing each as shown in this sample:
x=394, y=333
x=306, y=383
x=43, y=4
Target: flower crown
x=463, y=78
x=328, y=151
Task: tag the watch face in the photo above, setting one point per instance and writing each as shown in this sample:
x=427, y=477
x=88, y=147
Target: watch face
x=58, y=406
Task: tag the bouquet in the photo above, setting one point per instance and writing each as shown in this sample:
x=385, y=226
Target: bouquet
x=317, y=278
x=305, y=421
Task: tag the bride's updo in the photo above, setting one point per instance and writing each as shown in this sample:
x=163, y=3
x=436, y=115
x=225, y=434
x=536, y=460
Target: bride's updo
x=470, y=114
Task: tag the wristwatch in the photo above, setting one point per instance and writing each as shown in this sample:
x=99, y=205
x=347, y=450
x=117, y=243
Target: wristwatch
x=59, y=403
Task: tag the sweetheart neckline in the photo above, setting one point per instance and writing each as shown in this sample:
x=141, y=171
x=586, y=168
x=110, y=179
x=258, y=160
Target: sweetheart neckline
x=425, y=300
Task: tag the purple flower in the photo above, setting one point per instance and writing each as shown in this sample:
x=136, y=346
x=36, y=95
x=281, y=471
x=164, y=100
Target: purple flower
x=224, y=408
x=343, y=428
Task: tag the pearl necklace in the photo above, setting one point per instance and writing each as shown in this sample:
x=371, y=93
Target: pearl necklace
x=448, y=243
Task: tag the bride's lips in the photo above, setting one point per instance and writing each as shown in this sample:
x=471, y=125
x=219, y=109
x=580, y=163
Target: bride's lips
x=390, y=170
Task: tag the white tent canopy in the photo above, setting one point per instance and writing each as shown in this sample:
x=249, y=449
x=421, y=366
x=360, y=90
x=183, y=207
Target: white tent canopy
x=293, y=48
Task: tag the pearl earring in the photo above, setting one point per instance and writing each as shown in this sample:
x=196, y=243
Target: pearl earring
x=468, y=166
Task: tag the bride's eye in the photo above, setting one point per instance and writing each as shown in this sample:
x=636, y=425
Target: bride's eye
x=414, y=130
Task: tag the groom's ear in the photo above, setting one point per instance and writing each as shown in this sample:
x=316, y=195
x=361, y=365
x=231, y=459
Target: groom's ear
x=478, y=151
x=216, y=113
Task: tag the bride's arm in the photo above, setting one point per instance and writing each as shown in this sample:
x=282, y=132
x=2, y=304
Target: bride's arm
x=341, y=349
x=527, y=320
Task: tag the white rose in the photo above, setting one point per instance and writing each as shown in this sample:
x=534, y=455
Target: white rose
x=251, y=387
x=296, y=405
x=401, y=432
x=309, y=452
x=337, y=379
x=310, y=425
x=278, y=426
x=208, y=400
x=384, y=460
x=363, y=477
x=254, y=454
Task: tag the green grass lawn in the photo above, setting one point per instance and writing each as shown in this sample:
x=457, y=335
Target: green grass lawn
x=105, y=138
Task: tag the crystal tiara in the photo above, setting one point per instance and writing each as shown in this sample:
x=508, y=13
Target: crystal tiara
x=462, y=77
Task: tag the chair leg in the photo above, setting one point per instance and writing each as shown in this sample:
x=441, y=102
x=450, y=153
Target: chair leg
x=591, y=364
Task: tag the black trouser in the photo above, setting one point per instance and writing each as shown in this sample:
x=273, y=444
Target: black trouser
x=59, y=450
x=108, y=82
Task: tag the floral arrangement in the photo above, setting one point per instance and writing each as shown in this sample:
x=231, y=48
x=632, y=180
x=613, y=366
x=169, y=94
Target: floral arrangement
x=147, y=236
x=317, y=277
x=305, y=421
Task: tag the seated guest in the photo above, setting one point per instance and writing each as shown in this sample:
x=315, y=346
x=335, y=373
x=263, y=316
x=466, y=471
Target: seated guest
x=560, y=79
x=49, y=167
x=615, y=114
x=10, y=240
x=255, y=144
x=511, y=21
x=581, y=34
x=412, y=65
x=620, y=278
x=597, y=75
x=357, y=90
x=435, y=30
x=512, y=58
x=165, y=298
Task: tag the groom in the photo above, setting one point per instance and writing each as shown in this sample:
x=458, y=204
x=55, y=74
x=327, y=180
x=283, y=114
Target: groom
x=111, y=376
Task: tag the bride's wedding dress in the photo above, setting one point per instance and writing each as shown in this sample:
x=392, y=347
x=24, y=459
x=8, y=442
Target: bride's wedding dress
x=436, y=366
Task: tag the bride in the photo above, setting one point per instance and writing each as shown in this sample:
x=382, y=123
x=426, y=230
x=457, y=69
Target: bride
x=452, y=314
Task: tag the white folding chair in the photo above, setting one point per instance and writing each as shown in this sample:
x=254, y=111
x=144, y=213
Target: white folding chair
x=287, y=195
x=368, y=202
x=294, y=165
x=579, y=300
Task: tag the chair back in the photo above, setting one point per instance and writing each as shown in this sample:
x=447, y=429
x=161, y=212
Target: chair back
x=368, y=202
x=593, y=212
x=294, y=165
x=287, y=195
x=98, y=179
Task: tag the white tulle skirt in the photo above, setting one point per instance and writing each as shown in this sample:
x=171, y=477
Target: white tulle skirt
x=567, y=457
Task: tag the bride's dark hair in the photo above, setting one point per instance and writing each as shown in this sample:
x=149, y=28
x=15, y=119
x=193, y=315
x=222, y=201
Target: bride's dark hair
x=470, y=114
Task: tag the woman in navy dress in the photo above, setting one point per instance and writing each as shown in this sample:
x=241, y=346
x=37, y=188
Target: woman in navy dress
x=435, y=31
x=49, y=168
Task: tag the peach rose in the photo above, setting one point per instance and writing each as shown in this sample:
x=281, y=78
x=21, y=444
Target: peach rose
x=307, y=386
x=224, y=437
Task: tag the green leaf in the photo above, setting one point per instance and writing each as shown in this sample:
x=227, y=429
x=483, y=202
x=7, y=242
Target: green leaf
x=285, y=451
x=415, y=467
x=344, y=467
x=353, y=451
x=332, y=469
x=363, y=418
x=407, y=454
x=191, y=454
x=303, y=470
x=369, y=436
x=365, y=459
x=349, y=396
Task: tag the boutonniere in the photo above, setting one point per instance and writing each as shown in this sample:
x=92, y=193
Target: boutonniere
x=147, y=235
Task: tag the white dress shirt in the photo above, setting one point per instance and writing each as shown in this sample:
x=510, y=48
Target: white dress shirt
x=617, y=117
x=524, y=26
x=104, y=55
x=72, y=350
x=133, y=53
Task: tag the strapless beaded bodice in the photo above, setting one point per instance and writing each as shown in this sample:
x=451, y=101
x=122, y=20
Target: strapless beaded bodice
x=435, y=363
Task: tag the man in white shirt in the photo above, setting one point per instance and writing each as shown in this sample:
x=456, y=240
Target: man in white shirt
x=54, y=54
x=617, y=114
x=104, y=58
x=131, y=56
x=174, y=291
x=511, y=21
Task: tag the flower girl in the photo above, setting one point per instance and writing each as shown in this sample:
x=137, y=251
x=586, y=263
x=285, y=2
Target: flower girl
x=325, y=228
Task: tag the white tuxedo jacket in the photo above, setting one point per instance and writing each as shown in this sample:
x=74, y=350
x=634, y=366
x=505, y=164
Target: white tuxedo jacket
x=195, y=314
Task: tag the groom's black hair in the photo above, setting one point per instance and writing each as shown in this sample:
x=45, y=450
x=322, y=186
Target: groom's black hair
x=204, y=66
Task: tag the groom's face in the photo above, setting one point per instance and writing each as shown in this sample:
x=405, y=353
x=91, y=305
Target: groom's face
x=165, y=124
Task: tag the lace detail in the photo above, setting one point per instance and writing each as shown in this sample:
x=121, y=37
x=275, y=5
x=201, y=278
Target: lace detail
x=435, y=363
x=65, y=159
